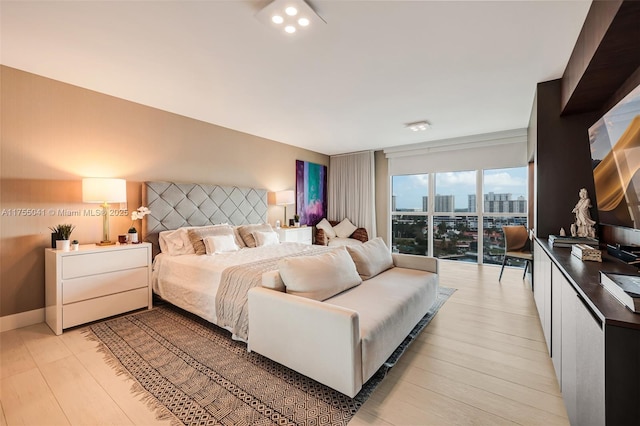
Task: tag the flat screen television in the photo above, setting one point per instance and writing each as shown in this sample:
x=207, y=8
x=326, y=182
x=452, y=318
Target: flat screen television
x=615, y=154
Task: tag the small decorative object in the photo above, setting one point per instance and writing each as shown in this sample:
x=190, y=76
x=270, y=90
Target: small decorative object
x=136, y=215
x=291, y=222
x=122, y=239
x=277, y=224
x=75, y=245
x=61, y=233
x=584, y=225
x=296, y=220
x=563, y=233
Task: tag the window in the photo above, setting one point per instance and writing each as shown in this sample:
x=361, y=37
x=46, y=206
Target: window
x=441, y=214
x=409, y=224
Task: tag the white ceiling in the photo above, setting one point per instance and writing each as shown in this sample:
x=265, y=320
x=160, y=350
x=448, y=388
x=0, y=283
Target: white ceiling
x=468, y=67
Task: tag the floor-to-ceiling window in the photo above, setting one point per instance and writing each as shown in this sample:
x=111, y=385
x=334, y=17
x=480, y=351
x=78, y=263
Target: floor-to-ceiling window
x=457, y=215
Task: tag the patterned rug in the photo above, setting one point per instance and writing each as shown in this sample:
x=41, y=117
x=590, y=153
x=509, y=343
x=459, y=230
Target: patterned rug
x=192, y=372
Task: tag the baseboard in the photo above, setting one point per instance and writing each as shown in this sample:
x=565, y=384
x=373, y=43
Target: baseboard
x=23, y=319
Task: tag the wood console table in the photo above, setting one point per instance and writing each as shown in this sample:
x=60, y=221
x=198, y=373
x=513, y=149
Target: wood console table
x=593, y=340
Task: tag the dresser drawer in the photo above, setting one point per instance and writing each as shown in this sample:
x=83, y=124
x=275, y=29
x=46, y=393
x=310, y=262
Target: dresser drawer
x=102, y=307
x=97, y=263
x=92, y=286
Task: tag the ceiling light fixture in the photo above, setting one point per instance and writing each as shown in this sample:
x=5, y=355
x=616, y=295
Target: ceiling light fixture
x=290, y=16
x=417, y=126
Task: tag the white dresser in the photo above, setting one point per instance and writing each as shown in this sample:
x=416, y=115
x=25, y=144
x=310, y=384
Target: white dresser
x=295, y=235
x=94, y=282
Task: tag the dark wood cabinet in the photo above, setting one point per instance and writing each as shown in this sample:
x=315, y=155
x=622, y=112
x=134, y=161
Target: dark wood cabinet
x=594, y=340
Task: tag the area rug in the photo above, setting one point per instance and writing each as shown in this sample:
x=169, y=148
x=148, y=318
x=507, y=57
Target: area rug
x=193, y=373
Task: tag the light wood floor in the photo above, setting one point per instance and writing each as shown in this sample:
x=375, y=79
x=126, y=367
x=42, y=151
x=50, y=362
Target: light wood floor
x=482, y=360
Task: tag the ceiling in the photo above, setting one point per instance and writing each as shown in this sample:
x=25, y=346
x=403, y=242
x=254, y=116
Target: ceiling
x=468, y=67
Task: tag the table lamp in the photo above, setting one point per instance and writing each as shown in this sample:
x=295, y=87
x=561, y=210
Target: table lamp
x=284, y=198
x=104, y=191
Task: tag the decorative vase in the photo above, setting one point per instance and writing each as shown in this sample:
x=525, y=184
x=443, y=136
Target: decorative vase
x=75, y=246
x=132, y=237
x=54, y=238
x=63, y=245
x=296, y=224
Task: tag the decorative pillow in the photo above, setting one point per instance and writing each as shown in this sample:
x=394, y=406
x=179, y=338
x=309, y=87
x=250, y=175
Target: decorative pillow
x=265, y=238
x=344, y=229
x=321, y=276
x=175, y=242
x=196, y=235
x=371, y=258
x=246, y=232
x=220, y=243
x=327, y=228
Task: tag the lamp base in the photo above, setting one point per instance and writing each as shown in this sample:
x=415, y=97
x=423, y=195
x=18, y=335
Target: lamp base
x=106, y=243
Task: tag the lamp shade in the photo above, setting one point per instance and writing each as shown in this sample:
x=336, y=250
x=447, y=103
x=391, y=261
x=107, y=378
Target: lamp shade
x=104, y=190
x=284, y=198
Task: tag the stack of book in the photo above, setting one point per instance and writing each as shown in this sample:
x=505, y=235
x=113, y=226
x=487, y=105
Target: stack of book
x=585, y=252
x=625, y=288
x=568, y=241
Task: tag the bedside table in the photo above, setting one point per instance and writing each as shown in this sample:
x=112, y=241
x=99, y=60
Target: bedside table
x=94, y=282
x=295, y=235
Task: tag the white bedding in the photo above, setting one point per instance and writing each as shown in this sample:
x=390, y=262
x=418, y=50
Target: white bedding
x=191, y=281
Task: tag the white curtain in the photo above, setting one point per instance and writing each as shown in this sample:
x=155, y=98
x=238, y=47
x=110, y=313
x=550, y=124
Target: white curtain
x=351, y=190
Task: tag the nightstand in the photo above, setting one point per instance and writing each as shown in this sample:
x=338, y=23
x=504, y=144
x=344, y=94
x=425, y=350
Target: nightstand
x=94, y=282
x=295, y=235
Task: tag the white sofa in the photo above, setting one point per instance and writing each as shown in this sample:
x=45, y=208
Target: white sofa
x=342, y=341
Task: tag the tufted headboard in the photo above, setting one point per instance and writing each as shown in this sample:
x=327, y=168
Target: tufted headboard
x=174, y=205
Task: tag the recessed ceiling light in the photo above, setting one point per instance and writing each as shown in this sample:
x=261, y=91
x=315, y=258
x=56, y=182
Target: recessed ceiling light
x=418, y=126
x=294, y=16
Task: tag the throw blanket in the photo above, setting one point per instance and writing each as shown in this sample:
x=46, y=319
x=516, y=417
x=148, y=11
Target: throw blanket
x=235, y=282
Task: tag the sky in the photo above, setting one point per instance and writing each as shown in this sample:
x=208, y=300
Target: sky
x=410, y=189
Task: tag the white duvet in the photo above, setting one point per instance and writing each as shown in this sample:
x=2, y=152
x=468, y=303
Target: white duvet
x=191, y=281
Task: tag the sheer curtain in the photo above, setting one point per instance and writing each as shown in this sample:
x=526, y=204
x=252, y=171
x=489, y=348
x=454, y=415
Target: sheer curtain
x=351, y=190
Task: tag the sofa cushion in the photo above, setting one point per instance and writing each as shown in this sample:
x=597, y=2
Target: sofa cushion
x=371, y=258
x=327, y=228
x=344, y=229
x=389, y=306
x=319, y=276
x=340, y=242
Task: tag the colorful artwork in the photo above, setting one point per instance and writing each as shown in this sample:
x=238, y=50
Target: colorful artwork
x=311, y=192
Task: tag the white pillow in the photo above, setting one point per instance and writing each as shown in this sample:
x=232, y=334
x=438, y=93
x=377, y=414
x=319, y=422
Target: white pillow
x=371, y=258
x=319, y=276
x=265, y=238
x=220, y=243
x=175, y=242
x=327, y=228
x=344, y=229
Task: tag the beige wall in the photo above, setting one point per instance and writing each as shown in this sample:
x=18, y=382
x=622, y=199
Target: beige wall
x=382, y=196
x=54, y=134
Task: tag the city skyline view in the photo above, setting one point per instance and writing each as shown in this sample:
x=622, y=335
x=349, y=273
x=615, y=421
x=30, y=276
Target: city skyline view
x=409, y=190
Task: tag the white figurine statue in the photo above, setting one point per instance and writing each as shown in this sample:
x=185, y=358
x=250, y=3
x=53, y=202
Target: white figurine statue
x=583, y=226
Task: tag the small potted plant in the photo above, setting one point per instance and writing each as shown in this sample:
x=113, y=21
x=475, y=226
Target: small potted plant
x=136, y=215
x=62, y=233
x=296, y=220
x=75, y=245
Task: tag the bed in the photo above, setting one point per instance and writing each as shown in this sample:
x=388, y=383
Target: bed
x=193, y=281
